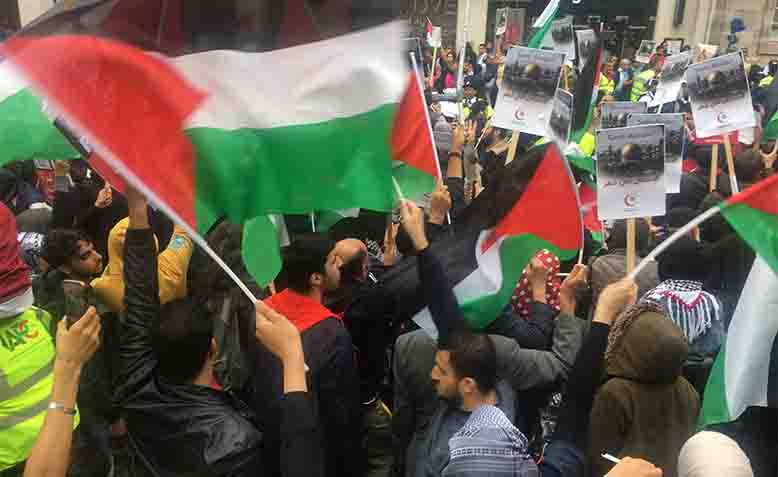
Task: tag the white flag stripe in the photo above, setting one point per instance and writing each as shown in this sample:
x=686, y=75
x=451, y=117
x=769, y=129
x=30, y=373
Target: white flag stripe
x=336, y=78
x=750, y=340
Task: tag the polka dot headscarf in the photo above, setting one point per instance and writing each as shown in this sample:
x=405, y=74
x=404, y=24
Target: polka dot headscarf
x=522, y=295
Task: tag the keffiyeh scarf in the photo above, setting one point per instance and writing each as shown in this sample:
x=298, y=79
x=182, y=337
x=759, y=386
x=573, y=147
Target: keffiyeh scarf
x=687, y=305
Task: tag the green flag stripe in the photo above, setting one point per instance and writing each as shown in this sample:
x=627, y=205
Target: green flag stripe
x=715, y=409
x=759, y=229
x=26, y=132
x=338, y=164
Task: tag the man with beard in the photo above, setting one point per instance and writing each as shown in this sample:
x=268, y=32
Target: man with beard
x=74, y=262
x=311, y=271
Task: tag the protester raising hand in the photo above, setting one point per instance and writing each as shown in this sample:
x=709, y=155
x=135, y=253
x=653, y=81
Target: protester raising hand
x=614, y=299
x=440, y=203
x=569, y=289
x=50, y=455
x=769, y=159
x=629, y=467
x=413, y=223
x=458, y=139
x=77, y=344
x=104, y=197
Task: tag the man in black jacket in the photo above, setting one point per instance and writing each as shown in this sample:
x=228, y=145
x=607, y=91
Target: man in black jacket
x=179, y=422
x=311, y=271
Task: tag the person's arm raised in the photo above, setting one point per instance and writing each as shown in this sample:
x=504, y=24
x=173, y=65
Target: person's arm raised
x=141, y=299
x=438, y=294
x=50, y=456
x=301, y=450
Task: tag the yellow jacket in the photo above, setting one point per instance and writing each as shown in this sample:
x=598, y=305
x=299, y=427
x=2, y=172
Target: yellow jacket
x=172, y=266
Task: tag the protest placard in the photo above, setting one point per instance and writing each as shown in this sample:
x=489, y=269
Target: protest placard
x=645, y=51
x=527, y=92
x=561, y=118
x=670, y=78
x=720, y=96
x=563, y=37
x=509, y=27
x=587, y=47
x=673, y=46
x=675, y=141
x=705, y=52
x=630, y=172
x=616, y=113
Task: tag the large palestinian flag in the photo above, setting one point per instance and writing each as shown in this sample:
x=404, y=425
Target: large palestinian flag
x=533, y=207
x=746, y=370
x=242, y=131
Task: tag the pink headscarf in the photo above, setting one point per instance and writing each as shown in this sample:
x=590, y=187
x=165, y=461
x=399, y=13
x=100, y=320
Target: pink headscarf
x=522, y=295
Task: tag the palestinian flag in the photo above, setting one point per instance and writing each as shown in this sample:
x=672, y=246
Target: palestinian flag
x=585, y=95
x=580, y=160
x=753, y=214
x=26, y=132
x=543, y=24
x=227, y=132
x=533, y=207
x=591, y=221
x=746, y=369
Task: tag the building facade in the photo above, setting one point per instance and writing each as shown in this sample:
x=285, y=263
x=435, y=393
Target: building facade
x=708, y=21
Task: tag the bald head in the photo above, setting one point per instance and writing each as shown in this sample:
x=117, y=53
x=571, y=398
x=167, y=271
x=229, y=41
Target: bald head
x=353, y=254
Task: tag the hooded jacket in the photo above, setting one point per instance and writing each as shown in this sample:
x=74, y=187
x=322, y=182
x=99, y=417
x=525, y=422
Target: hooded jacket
x=645, y=409
x=172, y=267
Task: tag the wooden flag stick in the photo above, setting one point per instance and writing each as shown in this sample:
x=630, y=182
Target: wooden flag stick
x=514, y=144
x=432, y=69
x=730, y=165
x=714, y=167
x=631, y=242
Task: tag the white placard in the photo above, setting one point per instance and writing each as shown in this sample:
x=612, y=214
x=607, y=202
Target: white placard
x=630, y=172
x=673, y=47
x=645, y=51
x=670, y=79
x=705, y=52
x=720, y=96
x=615, y=113
x=527, y=92
x=675, y=141
x=588, y=47
x=561, y=119
x=563, y=38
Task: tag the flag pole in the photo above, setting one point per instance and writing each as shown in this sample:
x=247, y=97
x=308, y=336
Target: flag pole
x=420, y=83
x=134, y=181
x=730, y=165
x=714, y=167
x=672, y=238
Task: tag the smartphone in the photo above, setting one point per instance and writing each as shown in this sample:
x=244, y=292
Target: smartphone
x=76, y=300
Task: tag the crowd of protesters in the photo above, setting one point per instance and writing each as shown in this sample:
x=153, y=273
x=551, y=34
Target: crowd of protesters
x=127, y=351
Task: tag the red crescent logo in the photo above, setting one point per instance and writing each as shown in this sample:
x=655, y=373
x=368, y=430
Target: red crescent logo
x=630, y=200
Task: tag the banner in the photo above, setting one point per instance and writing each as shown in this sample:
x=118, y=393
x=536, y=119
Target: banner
x=528, y=87
x=588, y=47
x=673, y=46
x=720, y=96
x=563, y=38
x=561, y=118
x=671, y=77
x=616, y=113
x=630, y=172
x=675, y=143
x=645, y=51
